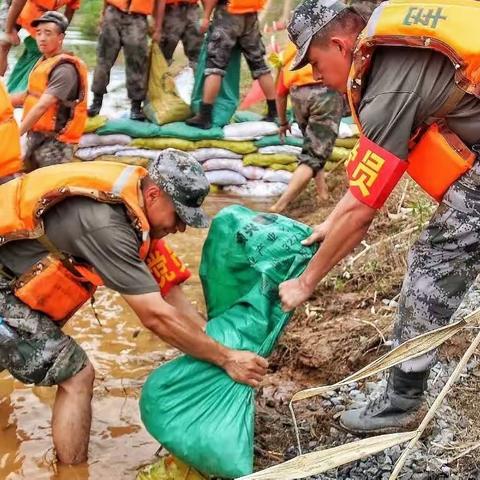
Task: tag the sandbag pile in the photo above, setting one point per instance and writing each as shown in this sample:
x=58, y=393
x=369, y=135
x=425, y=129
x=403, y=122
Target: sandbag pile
x=246, y=158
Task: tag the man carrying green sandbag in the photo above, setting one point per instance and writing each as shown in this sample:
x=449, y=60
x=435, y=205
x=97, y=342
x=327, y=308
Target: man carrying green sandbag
x=234, y=22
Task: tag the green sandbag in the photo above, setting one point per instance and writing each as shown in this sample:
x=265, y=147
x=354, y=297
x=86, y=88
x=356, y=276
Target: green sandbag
x=241, y=148
x=163, y=103
x=228, y=98
x=186, y=132
x=274, y=140
x=18, y=79
x=265, y=160
x=133, y=128
x=193, y=408
x=246, y=116
x=163, y=143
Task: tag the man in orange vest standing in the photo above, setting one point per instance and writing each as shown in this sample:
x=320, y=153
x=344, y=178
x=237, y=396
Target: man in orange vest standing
x=178, y=20
x=66, y=229
x=17, y=14
x=124, y=25
x=54, y=107
x=318, y=111
x=234, y=22
x=412, y=77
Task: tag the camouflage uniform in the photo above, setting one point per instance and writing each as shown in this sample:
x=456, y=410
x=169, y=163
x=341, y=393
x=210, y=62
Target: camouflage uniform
x=181, y=23
x=43, y=150
x=129, y=31
x=4, y=7
x=42, y=354
x=226, y=31
x=318, y=111
x=442, y=265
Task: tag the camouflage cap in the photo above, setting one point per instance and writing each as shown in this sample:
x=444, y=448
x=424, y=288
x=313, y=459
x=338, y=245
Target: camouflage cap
x=182, y=178
x=307, y=20
x=52, y=17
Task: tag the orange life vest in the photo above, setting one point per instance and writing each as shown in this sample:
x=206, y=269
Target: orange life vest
x=296, y=78
x=10, y=156
x=37, y=85
x=34, y=9
x=437, y=157
x=176, y=2
x=240, y=7
x=145, y=7
x=59, y=286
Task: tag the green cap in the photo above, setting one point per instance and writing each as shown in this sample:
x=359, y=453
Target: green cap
x=182, y=178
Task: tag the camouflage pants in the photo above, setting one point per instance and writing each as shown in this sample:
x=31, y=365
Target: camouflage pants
x=130, y=32
x=226, y=31
x=181, y=23
x=318, y=111
x=43, y=151
x=43, y=354
x=442, y=265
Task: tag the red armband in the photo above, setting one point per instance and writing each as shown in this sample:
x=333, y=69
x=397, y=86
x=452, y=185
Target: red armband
x=373, y=172
x=165, y=266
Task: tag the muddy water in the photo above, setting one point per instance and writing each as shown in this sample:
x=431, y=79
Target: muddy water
x=123, y=354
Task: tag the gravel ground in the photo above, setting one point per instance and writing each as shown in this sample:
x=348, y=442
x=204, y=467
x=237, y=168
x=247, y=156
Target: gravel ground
x=424, y=462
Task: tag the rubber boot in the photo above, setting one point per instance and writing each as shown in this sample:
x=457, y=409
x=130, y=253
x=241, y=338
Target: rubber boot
x=136, y=111
x=96, y=106
x=203, y=119
x=272, y=114
x=395, y=410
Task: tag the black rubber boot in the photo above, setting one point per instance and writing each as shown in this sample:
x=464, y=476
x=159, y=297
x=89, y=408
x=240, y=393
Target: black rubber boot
x=395, y=410
x=96, y=106
x=272, y=114
x=136, y=111
x=203, y=119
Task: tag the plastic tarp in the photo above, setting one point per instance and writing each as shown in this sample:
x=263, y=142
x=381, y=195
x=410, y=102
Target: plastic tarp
x=193, y=408
x=18, y=79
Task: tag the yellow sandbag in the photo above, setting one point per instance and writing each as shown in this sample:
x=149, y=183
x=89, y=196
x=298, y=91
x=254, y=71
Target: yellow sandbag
x=94, y=123
x=215, y=188
x=163, y=143
x=169, y=468
x=290, y=167
x=237, y=147
x=264, y=160
x=163, y=104
x=138, y=161
x=346, y=142
x=338, y=154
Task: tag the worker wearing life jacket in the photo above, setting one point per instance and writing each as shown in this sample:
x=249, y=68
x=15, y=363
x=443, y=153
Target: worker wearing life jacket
x=235, y=22
x=17, y=14
x=318, y=111
x=412, y=76
x=124, y=25
x=64, y=230
x=178, y=20
x=54, y=106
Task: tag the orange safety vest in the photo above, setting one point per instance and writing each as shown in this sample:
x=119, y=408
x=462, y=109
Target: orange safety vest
x=34, y=9
x=176, y=2
x=10, y=156
x=240, y=7
x=37, y=85
x=297, y=78
x=59, y=286
x=145, y=7
x=437, y=156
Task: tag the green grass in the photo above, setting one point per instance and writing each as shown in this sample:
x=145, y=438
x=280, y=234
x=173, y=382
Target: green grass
x=88, y=18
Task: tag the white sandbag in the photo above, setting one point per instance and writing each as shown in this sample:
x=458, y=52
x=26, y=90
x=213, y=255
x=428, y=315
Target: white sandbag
x=225, y=177
x=139, y=152
x=94, y=140
x=256, y=188
x=271, y=175
x=295, y=131
x=223, y=164
x=91, y=153
x=184, y=84
x=289, y=149
x=253, y=173
x=347, y=130
x=203, y=154
x=249, y=130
